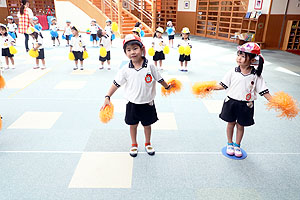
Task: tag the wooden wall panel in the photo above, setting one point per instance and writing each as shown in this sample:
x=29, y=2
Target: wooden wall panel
x=3, y=15
x=186, y=19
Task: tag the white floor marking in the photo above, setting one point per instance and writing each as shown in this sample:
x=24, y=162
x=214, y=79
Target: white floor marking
x=166, y=121
x=83, y=72
x=284, y=70
x=213, y=106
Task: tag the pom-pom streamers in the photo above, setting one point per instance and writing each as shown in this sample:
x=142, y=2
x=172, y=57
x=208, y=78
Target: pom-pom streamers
x=107, y=113
x=284, y=104
x=103, y=52
x=53, y=33
x=151, y=51
x=176, y=87
x=114, y=27
x=187, y=50
x=85, y=55
x=166, y=50
x=71, y=56
x=181, y=50
x=33, y=53
x=203, y=89
x=142, y=33
x=2, y=82
x=113, y=36
x=12, y=50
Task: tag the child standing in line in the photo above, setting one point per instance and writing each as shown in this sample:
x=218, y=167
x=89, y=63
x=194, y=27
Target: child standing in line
x=139, y=79
x=242, y=84
x=53, y=31
x=108, y=29
x=158, y=45
x=36, y=24
x=12, y=27
x=171, y=33
x=185, y=41
x=37, y=45
x=77, y=47
x=94, y=28
x=106, y=43
x=6, y=42
x=67, y=32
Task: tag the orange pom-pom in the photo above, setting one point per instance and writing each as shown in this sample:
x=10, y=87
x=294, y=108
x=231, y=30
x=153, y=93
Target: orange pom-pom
x=0, y=122
x=176, y=87
x=2, y=82
x=107, y=113
x=285, y=104
x=203, y=89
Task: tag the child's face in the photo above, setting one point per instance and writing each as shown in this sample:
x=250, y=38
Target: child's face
x=53, y=21
x=68, y=23
x=158, y=34
x=135, y=33
x=74, y=32
x=242, y=59
x=108, y=23
x=134, y=52
x=185, y=35
x=141, y=26
x=2, y=30
x=35, y=21
x=9, y=20
x=93, y=23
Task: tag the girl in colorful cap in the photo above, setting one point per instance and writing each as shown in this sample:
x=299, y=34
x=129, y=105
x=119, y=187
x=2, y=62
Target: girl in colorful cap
x=158, y=45
x=12, y=27
x=77, y=47
x=67, y=32
x=53, y=31
x=185, y=41
x=171, y=33
x=37, y=45
x=242, y=84
x=5, y=42
x=139, y=79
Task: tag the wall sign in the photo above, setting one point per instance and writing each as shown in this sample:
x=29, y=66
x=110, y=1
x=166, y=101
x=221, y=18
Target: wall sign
x=187, y=4
x=258, y=4
x=3, y=3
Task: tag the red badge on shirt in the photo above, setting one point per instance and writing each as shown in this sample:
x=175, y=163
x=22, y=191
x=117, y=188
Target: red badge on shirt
x=148, y=78
x=248, y=96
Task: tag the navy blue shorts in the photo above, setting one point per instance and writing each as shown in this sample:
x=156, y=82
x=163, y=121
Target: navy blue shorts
x=144, y=113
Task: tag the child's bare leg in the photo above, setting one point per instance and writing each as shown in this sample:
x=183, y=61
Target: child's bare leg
x=58, y=41
x=230, y=129
x=6, y=60
x=12, y=60
x=147, y=131
x=239, y=133
x=133, y=133
x=108, y=62
x=76, y=63
x=181, y=64
x=43, y=61
x=172, y=41
x=185, y=63
x=155, y=63
x=37, y=62
x=160, y=63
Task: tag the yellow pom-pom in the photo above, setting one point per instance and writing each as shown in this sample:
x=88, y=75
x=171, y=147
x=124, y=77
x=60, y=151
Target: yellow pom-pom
x=203, y=89
x=114, y=27
x=285, y=104
x=103, y=52
x=12, y=50
x=187, y=50
x=33, y=53
x=71, y=56
x=181, y=50
x=176, y=87
x=166, y=50
x=2, y=82
x=85, y=55
x=107, y=113
x=151, y=51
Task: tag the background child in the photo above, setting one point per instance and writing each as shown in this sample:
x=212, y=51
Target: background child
x=158, y=45
x=12, y=28
x=37, y=45
x=136, y=31
x=171, y=33
x=94, y=28
x=185, y=41
x=67, y=32
x=6, y=42
x=77, y=47
x=139, y=79
x=53, y=31
x=242, y=84
x=36, y=24
x=108, y=29
x=106, y=43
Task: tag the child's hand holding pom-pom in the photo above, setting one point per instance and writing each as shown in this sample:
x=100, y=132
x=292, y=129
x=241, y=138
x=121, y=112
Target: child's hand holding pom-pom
x=107, y=113
x=181, y=50
x=187, y=50
x=103, y=52
x=285, y=104
x=204, y=89
x=71, y=56
x=151, y=51
x=12, y=50
x=2, y=82
x=85, y=55
x=175, y=86
x=166, y=50
x=33, y=53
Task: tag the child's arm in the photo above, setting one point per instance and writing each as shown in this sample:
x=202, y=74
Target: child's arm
x=110, y=92
x=219, y=87
x=268, y=96
x=166, y=85
x=36, y=47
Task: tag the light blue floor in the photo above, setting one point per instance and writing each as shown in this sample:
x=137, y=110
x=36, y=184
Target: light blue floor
x=39, y=164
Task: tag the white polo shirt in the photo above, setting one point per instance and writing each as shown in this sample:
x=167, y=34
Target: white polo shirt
x=105, y=42
x=139, y=85
x=68, y=30
x=12, y=27
x=243, y=87
x=38, y=41
x=108, y=30
x=158, y=44
x=77, y=43
x=94, y=29
x=54, y=27
x=185, y=43
x=6, y=41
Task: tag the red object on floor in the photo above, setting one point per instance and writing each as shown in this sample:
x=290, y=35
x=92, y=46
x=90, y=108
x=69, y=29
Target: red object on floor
x=43, y=21
x=294, y=51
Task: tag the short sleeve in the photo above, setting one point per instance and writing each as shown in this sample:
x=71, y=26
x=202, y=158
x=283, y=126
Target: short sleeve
x=10, y=39
x=155, y=73
x=72, y=42
x=30, y=13
x=120, y=78
x=261, y=86
x=225, y=83
x=83, y=42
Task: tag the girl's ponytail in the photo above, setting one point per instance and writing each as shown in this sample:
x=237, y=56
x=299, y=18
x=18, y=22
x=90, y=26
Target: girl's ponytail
x=260, y=65
x=23, y=2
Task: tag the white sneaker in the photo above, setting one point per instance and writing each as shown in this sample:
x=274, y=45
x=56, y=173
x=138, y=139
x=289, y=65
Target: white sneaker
x=101, y=67
x=6, y=67
x=13, y=67
x=230, y=150
x=133, y=151
x=43, y=67
x=108, y=68
x=150, y=150
x=237, y=152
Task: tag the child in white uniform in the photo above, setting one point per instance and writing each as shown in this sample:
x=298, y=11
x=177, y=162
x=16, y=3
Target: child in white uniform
x=12, y=27
x=185, y=41
x=77, y=47
x=94, y=28
x=171, y=33
x=106, y=43
x=53, y=31
x=5, y=42
x=139, y=79
x=67, y=32
x=158, y=45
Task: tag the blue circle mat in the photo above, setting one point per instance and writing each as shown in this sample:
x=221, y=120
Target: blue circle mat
x=233, y=157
